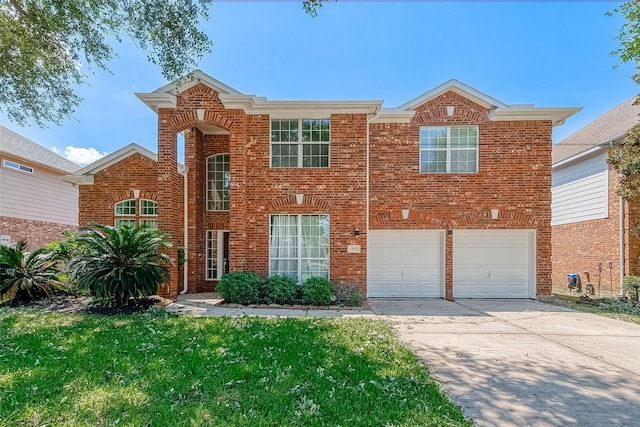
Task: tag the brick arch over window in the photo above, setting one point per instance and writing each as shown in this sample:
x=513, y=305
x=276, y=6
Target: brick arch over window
x=307, y=200
x=221, y=224
x=506, y=219
x=125, y=195
x=416, y=217
x=189, y=119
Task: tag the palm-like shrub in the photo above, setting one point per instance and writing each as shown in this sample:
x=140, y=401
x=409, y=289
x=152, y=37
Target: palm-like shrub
x=117, y=264
x=26, y=275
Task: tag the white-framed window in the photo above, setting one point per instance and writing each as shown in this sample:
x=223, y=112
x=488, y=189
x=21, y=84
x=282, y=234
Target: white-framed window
x=448, y=149
x=127, y=213
x=126, y=208
x=16, y=166
x=300, y=143
x=218, y=182
x=217, y=254
x=299, y=246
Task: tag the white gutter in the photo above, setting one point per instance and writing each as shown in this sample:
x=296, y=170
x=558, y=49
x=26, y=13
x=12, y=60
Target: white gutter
x=185, y=266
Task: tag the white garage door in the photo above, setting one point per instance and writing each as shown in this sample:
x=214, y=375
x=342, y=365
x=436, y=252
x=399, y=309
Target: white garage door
x=494, y=264
x=405, y=263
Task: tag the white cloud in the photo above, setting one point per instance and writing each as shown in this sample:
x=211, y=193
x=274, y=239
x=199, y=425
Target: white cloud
x=55, y=150
x=82, y=156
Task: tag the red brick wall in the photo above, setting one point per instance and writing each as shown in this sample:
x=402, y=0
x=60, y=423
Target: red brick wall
x=36, y=233
x=514, y=177
x=582, y=246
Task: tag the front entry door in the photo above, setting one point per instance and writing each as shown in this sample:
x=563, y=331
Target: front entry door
x=225, y=252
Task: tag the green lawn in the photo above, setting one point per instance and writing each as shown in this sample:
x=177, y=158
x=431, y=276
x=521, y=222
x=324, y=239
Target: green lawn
x=155, y=369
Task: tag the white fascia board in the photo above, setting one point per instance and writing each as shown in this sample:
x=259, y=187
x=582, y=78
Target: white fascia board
x=302, y=109
x=78, y=179
x=458, y=87
x=190, y=80
x=155, y=101
x=613, y=142
x=115, y=157
x=393, y=115
x=557, y=116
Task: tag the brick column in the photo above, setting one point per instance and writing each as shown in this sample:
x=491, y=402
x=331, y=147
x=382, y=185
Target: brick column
x=238, y=196
x=169, y=195
x=448, y=267
x=196, y=199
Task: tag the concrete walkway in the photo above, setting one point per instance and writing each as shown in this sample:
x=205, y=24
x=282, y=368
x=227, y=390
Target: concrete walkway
x=506, y=362
x=524, y=363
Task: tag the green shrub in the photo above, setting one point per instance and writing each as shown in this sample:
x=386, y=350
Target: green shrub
x=278, y=289
x=116, y=264
x=629, y=280
x=240, y=287
x=317, y=291
x=347, y=294
x=616, y=306
x=26, y=276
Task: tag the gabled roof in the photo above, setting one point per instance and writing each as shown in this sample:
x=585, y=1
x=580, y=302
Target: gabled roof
x=84, y=176
x=165, y=97
x=458, y=87
x=18, y=146
x=607, y=129
x=498, y=110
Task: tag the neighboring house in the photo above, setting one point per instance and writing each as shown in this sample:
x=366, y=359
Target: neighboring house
x=34, y=203
x=590, y=230
x=445, y=196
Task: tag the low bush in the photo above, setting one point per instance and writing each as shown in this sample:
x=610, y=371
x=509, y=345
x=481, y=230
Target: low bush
x=26, y=276
x=317, y=291
x=278, y=289
x=627, y=281
x=240, y=287
x=347, y=294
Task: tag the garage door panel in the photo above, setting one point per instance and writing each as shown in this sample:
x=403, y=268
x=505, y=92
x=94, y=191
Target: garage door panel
x=404, y=263
x=492, y=263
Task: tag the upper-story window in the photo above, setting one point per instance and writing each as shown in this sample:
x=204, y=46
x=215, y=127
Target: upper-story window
x=300, y=143
x=17, y=166
x=448, y=149
x=218, y=182
x=127, y=213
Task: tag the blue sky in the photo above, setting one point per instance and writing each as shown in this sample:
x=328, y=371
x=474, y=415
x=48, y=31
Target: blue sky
x=550, y=54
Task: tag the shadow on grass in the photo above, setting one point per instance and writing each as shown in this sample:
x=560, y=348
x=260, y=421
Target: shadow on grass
x=156, y=369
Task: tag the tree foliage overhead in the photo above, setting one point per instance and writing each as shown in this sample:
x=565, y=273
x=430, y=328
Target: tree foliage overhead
x=47, y=47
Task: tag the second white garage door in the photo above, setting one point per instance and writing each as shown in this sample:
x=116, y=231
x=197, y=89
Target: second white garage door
x=405, y=263
x=494, y=264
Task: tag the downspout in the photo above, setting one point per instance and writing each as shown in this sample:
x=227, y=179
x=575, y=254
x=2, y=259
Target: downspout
x=622, y=264
x=185, y=266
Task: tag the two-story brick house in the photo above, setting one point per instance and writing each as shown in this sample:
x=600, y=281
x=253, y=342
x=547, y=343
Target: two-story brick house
x=445, y=196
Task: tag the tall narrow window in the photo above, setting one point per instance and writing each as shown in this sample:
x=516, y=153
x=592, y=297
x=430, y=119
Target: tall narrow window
x=216, y=254
x=299, y=246
x=300, y=143
x=218, y=182
x=448, y=149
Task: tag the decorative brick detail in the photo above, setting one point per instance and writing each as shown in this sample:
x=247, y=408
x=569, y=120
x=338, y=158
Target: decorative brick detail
x=308, y=201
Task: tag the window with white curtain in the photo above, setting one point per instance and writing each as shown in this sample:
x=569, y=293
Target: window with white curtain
x=299, y=246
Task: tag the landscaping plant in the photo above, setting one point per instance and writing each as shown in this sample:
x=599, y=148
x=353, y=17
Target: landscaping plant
x=278, y=289
x=26, y=276
x=317, y=291
x=116, y=264
x=240, y=287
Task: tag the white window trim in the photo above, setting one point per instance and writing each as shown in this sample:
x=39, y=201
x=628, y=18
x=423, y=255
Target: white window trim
x=300, y=145
x=219, y=251
x=18, y=166
x=448, y=151
x=206, y=169
x=147, y=215
x=299, y=258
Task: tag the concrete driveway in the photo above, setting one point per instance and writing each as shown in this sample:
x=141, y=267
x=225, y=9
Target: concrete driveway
x=524, y=363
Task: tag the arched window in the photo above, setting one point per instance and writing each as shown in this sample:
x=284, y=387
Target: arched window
x=218, y=180
x=128, y=213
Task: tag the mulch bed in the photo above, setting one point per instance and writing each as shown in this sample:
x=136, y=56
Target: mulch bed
x=68, y=303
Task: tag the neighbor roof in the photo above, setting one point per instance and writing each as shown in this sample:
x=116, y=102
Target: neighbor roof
x=18, y=146
x=608, y=128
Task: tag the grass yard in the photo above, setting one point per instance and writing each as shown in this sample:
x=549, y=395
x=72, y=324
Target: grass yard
x=608, y=308
x=156, y=369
